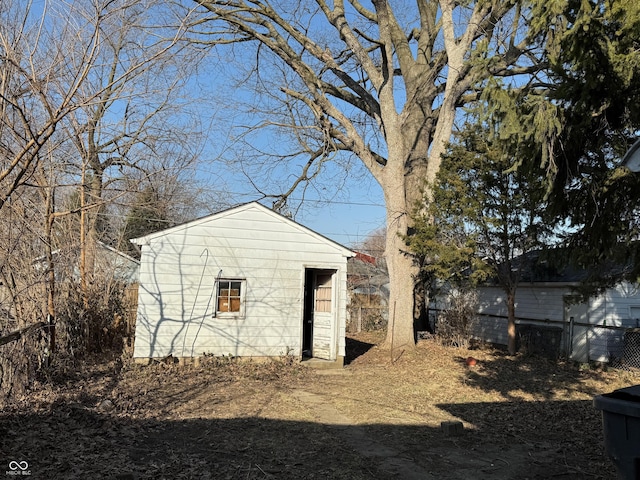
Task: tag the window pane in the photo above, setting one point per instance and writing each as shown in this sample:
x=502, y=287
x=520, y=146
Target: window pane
x=222, y=286
x=229, y=296
x=323, y=293
x=234, y=305
x=223, y=304
x=323, y=306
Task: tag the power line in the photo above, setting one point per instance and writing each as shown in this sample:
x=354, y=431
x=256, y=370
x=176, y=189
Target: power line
x=306, y=200
x=349, y=235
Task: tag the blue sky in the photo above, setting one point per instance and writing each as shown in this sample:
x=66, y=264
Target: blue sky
x=346, y=223
x=344, y=203
x=353, y=212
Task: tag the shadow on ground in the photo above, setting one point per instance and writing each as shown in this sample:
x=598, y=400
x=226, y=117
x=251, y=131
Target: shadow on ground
x=356, y=348
x=500, y=441
x=510, y=376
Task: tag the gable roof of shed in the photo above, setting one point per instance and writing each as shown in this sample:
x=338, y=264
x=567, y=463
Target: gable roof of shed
x=237, y=209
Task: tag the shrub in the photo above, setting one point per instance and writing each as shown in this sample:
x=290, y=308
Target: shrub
x=92, y=328
x=454, y=326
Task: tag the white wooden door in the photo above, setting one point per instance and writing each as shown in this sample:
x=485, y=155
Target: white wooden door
x=323, y=314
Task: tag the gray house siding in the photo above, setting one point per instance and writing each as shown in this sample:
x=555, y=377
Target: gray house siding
x=591, y=331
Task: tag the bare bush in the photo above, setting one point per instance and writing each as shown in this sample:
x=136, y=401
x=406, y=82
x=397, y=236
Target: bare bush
x=366, y=312
x=19, y=361
x=95, y=327
x=454, y=326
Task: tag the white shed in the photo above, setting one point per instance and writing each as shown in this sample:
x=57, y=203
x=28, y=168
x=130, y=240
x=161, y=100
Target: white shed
x=245, y=282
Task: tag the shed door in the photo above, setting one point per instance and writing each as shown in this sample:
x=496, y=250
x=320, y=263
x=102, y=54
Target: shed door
x=318, y=332
x=323, y=309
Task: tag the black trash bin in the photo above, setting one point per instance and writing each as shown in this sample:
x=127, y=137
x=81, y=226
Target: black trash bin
x=621, y=426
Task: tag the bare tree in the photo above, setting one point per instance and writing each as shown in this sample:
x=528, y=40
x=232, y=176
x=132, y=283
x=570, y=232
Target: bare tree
x=32, y=102
x=129, y=106
x=383, y=84
x=374, y=243
x=90, y=92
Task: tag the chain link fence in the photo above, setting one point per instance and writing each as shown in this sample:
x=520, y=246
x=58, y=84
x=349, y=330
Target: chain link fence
x=623, y=348
x=615, y=345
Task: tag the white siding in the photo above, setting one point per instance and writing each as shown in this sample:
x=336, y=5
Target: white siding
x=592, y=338
x=615, y=306
x=178, y=273
x=531, y=302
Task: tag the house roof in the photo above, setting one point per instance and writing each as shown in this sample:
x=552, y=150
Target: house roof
x=361, y=271
x=119, y=253
x=100, y=244
x=550, y=266
x=237, y=209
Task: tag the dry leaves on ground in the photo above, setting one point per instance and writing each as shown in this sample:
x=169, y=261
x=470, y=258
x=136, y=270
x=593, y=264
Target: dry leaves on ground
x=524, y=417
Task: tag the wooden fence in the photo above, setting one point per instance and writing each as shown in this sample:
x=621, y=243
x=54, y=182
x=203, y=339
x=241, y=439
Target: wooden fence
x=18, y=334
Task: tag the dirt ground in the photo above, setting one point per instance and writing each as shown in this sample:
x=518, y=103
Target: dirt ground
x=378, y=418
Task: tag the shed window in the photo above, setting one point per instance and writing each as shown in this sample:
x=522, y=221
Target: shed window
x=323, y=293
x=230, y=296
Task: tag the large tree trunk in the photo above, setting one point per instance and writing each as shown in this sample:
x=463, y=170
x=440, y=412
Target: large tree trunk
x=409, y=171
x=402, y=274
x=400, y=196
x=94, y=210
x=91, y=204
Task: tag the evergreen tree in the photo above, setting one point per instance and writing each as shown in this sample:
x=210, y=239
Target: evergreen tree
x=583, y=113
x=600, y=93
x=485, y=215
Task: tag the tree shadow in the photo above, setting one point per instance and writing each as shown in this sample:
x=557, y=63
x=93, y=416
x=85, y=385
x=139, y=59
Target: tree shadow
x=72, y=441
x=141, y=433
x=548, y=431
x=511, y=376
x=355, y=348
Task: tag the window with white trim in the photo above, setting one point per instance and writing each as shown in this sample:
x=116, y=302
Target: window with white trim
x=230, y=297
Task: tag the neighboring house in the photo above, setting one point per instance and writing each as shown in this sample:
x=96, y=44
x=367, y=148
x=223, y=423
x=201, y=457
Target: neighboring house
x=109, y=262
x=245, y=282
x=119, y=265
x=547, y=307
x=367, y=276
x=368, y=286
